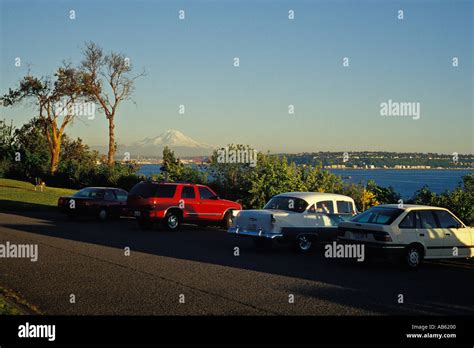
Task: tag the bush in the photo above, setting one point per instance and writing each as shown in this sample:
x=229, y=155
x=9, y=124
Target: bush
x=460, y=200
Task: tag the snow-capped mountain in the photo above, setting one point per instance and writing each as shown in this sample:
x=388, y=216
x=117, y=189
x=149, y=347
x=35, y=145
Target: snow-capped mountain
x=181, y=144
x=171, y=138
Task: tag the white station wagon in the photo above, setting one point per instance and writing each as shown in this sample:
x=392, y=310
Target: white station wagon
x=301, y=218
x=411, y=233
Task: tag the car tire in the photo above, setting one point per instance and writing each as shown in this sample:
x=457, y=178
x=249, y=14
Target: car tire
x=413, y=257
x=227, y=220
x=103, y=215
x=172, y=221
x=303, y=244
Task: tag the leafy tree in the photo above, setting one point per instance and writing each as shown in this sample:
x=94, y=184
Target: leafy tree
x=66, y=89
x=460, y=200
x=7, y=139
x=107, y=80
x=78, y=163
x=174, y=170
x=368, y=199
x=232, y=179
x=384, y=195
x=171, y=166
x=32, y=144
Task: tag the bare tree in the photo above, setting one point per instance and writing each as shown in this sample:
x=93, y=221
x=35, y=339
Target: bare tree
x=107, y=80
x=54, y=100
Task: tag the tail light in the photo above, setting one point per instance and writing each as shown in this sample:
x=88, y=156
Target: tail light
x=382, y=237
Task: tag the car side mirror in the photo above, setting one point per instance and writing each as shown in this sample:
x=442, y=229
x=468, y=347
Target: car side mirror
x=214, y=197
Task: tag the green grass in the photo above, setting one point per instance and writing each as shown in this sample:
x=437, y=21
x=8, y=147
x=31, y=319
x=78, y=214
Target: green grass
x=6, y=308
x=12, y=304
x=21, y=195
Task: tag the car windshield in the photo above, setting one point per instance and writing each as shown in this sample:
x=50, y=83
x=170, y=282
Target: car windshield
x=378, y=215
x=293, y=204
x=336, y=219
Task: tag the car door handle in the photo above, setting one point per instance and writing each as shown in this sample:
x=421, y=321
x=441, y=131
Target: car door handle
x=422, y=234
x=447, y=234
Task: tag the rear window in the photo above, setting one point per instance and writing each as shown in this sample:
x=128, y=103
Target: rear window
x=344, y=207
x=89, y=193
x=148, y=190
x=121, y=195
x=326, y=207
x=380, y=216
x=287, y=203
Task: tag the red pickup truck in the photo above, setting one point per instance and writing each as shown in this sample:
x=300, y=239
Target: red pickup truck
x=175, y=203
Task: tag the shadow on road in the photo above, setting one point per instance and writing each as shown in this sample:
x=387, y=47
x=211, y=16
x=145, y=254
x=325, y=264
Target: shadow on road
x=435, y=288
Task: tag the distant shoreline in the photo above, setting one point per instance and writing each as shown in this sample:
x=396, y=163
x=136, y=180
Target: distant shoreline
x=328, y=168
x=398, y=168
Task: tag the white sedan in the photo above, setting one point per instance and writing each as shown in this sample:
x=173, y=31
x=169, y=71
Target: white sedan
x=301, y=218
x=410, y=232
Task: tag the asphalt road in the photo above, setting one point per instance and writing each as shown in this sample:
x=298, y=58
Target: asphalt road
x=87, y=259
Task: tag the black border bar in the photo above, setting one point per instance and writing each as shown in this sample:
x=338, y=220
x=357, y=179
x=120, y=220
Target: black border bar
x=241, y=330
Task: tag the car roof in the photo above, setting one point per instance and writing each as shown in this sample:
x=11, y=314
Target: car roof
x=170, y=183
x=102, y=188
x=314, y=196
x=409, y=207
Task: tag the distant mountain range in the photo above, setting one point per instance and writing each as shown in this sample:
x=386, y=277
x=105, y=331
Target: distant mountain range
x=181, y=144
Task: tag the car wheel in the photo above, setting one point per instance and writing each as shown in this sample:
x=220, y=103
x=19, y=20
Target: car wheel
x=102, y=214
x=172, y=221
x=413, y=257
x=303, y=244
x=145, y=224
x=227, y=221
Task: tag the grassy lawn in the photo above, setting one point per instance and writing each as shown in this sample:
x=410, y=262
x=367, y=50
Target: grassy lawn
x=21, y=195
x=6, y=308
x=12, y=304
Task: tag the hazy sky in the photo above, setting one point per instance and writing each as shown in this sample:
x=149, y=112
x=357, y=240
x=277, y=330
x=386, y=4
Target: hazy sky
x=282, y=62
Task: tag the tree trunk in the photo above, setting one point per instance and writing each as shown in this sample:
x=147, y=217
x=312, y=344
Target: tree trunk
x=55, y=151
x=111, y=154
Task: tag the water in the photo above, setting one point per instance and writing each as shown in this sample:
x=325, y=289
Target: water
x=405, y=182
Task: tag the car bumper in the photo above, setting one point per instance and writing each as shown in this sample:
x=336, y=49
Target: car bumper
x=79, y=210
x=146, y=214
x=255, y=234
x=376, y=248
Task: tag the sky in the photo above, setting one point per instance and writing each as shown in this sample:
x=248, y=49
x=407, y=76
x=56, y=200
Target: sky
x=283, y=62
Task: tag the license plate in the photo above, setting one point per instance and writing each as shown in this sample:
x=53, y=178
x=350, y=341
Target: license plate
x=252, y=227
x=136, y=213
